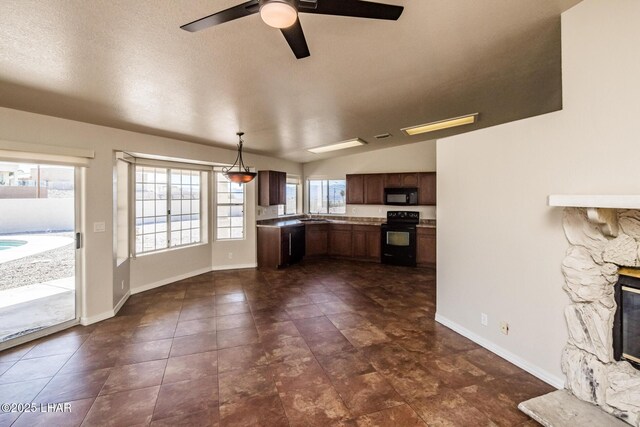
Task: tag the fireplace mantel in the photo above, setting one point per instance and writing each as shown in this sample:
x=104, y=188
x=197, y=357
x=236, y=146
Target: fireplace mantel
x=601, y=210
x=594, y=201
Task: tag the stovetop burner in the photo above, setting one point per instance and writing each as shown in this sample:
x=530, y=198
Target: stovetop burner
x=403, y=217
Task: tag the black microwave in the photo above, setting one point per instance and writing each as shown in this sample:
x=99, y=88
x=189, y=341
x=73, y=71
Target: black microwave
x=401, y=196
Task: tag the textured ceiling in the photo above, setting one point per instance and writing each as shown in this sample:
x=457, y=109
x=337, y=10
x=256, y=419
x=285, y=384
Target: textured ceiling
x=127, y=64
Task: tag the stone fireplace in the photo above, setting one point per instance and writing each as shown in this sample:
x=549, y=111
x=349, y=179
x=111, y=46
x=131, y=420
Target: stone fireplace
x=602, y=241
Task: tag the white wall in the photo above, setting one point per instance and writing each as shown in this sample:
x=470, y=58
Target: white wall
x=418, y=157
x=36, y=215
x=101, y=277
x=499, y=246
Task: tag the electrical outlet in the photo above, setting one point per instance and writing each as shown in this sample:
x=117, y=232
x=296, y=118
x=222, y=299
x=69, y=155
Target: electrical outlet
x=484, y=319
x=230, y=255
x=353, y=210
x=504, y=327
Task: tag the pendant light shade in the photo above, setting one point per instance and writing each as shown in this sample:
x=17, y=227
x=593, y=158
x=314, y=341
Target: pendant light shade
x=242, y=175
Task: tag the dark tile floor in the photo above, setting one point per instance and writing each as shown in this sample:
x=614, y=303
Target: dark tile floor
x=322, y=343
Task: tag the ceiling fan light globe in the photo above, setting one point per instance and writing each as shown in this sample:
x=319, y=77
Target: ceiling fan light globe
x=278, y=14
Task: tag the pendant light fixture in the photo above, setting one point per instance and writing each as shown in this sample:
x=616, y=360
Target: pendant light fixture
x=243, y=175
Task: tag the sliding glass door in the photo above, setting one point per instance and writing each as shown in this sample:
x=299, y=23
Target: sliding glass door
x=38, y=255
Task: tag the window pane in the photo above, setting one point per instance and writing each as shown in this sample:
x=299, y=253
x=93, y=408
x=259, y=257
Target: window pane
x=318, y=196
x=292, y=199
x=152, y=192
x=337, y=196
x=229, y=209
x=176, y=207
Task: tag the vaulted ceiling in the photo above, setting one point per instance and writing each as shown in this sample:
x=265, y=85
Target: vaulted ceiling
x=127, y=64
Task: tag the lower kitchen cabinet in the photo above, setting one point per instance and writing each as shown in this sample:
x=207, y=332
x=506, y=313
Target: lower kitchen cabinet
x=340, y=244
x=317, y=239
x=279, y=247
x=426, y=247
x=282, y=246
x=366, y=242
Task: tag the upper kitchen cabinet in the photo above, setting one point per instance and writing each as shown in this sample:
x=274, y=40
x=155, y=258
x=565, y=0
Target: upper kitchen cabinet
x=401, y=180
x=272, y=188
x=355, y=189
x=368, y=189
x=365, y=189
x=427, y=188
x=374, y=189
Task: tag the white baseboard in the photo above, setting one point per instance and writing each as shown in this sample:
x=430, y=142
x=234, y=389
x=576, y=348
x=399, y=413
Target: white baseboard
x=120, y=303
x=89, y=320
x=233, y=267
x=537, y=372
x=168, y=280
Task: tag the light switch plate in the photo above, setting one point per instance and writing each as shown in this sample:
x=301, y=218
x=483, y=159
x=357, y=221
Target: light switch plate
x=99, y=227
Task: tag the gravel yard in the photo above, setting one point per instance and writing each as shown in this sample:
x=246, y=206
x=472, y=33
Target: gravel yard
x=50, y=265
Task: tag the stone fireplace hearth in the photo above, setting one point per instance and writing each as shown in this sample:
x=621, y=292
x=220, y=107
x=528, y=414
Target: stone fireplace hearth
x=602, y=241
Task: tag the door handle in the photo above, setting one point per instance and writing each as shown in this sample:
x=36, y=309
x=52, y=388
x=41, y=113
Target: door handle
x=289, y=244
x=78, y=240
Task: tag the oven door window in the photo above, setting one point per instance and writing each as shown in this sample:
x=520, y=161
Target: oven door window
x=398, y=238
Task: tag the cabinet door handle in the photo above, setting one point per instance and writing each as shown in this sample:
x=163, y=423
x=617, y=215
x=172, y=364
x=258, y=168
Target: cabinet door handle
x=289, y=244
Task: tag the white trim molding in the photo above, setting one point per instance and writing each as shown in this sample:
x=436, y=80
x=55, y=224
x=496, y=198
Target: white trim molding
x=168, y=280
x=233, y=267
x=89, y=320
x=545, y=376
x=594, y=201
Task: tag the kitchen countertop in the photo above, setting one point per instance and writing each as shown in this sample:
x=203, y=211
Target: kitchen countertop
x=279, y=223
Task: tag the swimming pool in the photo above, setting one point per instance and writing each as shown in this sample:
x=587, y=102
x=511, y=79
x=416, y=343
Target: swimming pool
x=8, y=244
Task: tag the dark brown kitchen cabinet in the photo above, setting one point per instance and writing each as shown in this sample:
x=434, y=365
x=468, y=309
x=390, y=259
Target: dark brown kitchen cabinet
x=272, y=188
x=317, y=239
x=427, y=188
x=355, y=189
x=393, y=180
x=401, y=180
x=340, y=240
x=426, y=247
x=374, y=189
x=366, y=242
x=280, y=246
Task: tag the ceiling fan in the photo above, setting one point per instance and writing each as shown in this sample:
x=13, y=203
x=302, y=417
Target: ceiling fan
x=283, y=14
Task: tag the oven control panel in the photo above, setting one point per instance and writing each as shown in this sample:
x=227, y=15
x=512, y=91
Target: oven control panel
x=403, y=216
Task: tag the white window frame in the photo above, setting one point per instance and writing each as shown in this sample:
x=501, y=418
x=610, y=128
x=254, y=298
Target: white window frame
x=201, y=209
x=326, y=182
x=218, y=204
x=282, y=209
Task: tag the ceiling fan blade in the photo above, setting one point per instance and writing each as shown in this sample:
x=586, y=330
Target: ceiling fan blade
x=353, y=8
x=240, y=11
x=295, y=37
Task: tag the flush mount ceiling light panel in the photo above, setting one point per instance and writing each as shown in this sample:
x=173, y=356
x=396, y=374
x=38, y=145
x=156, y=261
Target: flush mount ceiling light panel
x=339, y=146
x=442, y=124
x=283, y=14
x=279, y=13
x=243, y=174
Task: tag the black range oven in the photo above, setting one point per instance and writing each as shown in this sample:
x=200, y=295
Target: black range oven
x=399, y=238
